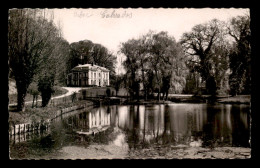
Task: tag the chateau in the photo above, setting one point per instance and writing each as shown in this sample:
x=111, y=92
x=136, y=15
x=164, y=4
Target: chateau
x=88, y=75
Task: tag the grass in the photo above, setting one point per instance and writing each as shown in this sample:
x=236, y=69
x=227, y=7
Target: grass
x=240, y=99
x=57, y=91
x=39, y=114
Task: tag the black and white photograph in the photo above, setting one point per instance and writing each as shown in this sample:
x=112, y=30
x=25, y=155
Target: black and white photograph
x=129, y=83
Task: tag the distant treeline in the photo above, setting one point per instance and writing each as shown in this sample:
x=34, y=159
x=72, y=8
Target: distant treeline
x=213, y=58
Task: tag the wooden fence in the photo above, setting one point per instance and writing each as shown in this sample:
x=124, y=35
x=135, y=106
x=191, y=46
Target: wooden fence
x=19, y=129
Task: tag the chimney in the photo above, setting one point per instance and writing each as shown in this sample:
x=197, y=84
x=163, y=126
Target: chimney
x=92, y=63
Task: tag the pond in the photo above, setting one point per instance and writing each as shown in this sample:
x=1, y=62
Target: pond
x=112, y=131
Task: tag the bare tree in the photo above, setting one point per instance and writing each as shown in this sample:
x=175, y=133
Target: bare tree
x=198, y=46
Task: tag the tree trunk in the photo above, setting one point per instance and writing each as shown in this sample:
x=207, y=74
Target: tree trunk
x=36, y=101
x=163, y=93
x=144, y=85
x=211, y=86
x=132, y=84
x=21, y=93
x=137, y=91
x=46, y=98
x=145, y=92
x=167, y=91
x=159, y=94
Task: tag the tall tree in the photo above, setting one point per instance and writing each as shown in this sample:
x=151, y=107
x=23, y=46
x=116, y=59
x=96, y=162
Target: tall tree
x=80, y=53
x=137, y=62
x=61, y=54
x=198, y=45
x=28, y=35
x=129, y=49
x=240, y=58
x=53, y=69
x=220, y=65
x=154, y=60
x=87, y=52
x=168, y=63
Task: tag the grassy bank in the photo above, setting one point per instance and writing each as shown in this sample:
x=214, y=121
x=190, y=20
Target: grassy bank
x=39, y=114
x=240, y=99
x=57, y=91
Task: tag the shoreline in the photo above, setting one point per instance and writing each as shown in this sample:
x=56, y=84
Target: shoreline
x=175, y=152
x=38, y=114
x=193, y=99
x=97, y=152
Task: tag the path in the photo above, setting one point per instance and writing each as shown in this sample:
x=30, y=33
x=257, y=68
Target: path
x=70, y=90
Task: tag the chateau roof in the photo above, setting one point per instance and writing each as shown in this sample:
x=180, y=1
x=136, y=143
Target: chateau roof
x=89, y=67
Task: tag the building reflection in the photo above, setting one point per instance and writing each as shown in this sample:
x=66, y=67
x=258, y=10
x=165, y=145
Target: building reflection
x=97, y=117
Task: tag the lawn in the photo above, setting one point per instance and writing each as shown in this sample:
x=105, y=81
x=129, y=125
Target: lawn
x=245, y=99
x=57, y=91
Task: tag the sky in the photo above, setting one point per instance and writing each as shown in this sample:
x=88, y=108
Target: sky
x=110, y=27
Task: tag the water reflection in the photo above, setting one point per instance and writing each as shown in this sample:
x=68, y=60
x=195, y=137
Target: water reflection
x=208, y=125
x=138, y=126
x=85, y=121
x=27, y=136
x=187, y=124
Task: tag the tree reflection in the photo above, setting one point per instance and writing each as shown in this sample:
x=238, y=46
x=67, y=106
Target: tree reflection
x=165, y=136
x=225, y=126
x=239, y=120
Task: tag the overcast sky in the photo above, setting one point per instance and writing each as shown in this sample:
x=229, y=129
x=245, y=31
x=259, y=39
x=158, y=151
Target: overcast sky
x=109, y=27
